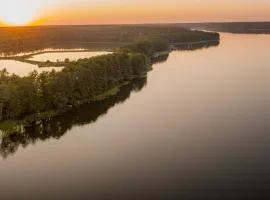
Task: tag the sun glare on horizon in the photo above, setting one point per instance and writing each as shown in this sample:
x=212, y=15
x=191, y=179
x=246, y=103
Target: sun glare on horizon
x=18, y=13
x=69, y=12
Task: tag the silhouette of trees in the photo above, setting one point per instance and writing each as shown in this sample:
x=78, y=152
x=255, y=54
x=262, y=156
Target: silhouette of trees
x=76, y=84
x=59, y=125
x=39, y=96
x=21, y=39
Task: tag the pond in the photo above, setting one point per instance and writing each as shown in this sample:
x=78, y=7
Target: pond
x=22, y=68
x=61, y=56
x=196, y=128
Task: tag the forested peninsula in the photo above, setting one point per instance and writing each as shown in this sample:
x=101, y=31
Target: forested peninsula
x=25, y=100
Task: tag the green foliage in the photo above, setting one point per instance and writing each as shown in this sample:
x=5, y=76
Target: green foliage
x=106, y=95
x=18, y=39
x=38, y=95
x=81, y=81
x=9, y=126
x=147, y=47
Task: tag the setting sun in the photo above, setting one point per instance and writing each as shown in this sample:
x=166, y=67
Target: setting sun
x=134, y=99
x=78, y=12
x=17, y=13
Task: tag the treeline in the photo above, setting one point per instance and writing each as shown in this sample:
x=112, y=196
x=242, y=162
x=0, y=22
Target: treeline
x=79, y=82
x=43, y=95
x=21, y=39
x=147, y=47
x=59, y=125
x=194, y=46
x=232, y=27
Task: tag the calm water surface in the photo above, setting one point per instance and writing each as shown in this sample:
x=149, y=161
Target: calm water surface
x=23, y=69
x=61, y=56
x=196, y=128
x=25, y=53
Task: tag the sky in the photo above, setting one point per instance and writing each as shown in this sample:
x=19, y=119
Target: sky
x=52, y=12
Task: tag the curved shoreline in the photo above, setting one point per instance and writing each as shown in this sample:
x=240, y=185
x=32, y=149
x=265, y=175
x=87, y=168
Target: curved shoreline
x=142, y=54
x=26, y=58
x=17, y=126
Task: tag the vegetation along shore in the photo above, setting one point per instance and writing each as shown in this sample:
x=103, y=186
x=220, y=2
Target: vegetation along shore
x=25, y=100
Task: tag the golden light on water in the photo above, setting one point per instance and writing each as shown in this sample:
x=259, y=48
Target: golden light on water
x=14, y=12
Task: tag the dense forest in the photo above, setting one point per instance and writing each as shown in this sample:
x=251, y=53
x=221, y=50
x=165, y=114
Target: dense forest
x=59, y=125
x=44, y=95
x=231, y=27
x=21, y=39
x=80, y=82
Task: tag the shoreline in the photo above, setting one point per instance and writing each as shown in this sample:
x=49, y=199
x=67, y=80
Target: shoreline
x=12, y=126
x=16, y=126
x=25, y=58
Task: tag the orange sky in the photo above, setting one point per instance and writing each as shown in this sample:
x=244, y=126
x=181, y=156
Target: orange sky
x=43, y=12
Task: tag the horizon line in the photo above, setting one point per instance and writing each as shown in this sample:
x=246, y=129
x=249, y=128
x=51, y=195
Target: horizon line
x=126, y=24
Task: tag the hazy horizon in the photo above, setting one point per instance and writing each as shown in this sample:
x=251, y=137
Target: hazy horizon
x=92, y=12
x=119, y=24
x=135, y=99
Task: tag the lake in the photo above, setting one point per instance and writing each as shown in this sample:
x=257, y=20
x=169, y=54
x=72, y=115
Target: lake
x=23, y=69
x=196, y=128
x=61, y=56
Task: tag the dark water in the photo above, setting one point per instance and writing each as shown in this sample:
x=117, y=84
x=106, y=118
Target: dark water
x=196, y=128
